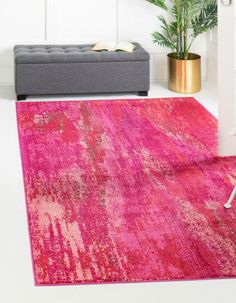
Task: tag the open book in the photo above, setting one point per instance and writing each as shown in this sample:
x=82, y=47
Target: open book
x=114, y=46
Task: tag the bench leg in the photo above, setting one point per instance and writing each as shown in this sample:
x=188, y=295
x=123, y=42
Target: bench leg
x=21, y=97
x=143, y=93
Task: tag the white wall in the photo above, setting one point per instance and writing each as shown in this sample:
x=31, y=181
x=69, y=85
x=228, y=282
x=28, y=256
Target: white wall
x=212, y=62
x=227, y=78
x=80, y=21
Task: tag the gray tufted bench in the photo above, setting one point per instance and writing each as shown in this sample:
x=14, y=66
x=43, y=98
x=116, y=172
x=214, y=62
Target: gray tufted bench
x=77, y=69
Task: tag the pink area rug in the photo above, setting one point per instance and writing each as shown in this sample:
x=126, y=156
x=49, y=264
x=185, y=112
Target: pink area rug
x=126, y=191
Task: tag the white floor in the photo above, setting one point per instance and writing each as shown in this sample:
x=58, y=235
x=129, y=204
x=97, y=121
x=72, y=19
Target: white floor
x=16, y=280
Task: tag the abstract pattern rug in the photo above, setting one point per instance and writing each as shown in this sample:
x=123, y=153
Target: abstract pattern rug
x=126, y=191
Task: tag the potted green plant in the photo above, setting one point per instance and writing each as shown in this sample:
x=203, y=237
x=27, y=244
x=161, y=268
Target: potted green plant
x=187, y=20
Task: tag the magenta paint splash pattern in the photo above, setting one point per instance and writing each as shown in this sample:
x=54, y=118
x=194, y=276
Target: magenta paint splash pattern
x=126, y=191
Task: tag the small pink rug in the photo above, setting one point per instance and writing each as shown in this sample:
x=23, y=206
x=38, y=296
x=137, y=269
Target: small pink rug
x=126, y=191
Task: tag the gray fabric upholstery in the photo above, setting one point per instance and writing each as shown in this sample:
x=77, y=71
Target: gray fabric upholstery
x=74, y=54
x=75, y=69
x=82, y=78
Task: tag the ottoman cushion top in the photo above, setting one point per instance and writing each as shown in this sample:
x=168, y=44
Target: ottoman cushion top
x=25, y=54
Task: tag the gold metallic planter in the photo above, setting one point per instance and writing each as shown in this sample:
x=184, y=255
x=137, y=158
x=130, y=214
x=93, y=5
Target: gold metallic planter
x=184, y=76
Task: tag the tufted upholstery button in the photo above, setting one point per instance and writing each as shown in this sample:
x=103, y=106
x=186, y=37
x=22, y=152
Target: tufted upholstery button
x=72, y=49
x=73, y=53
x=38, y=49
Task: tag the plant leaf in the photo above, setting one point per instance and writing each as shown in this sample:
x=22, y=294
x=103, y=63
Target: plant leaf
x=162, y=40
x=207, y=19
x=159, y=3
